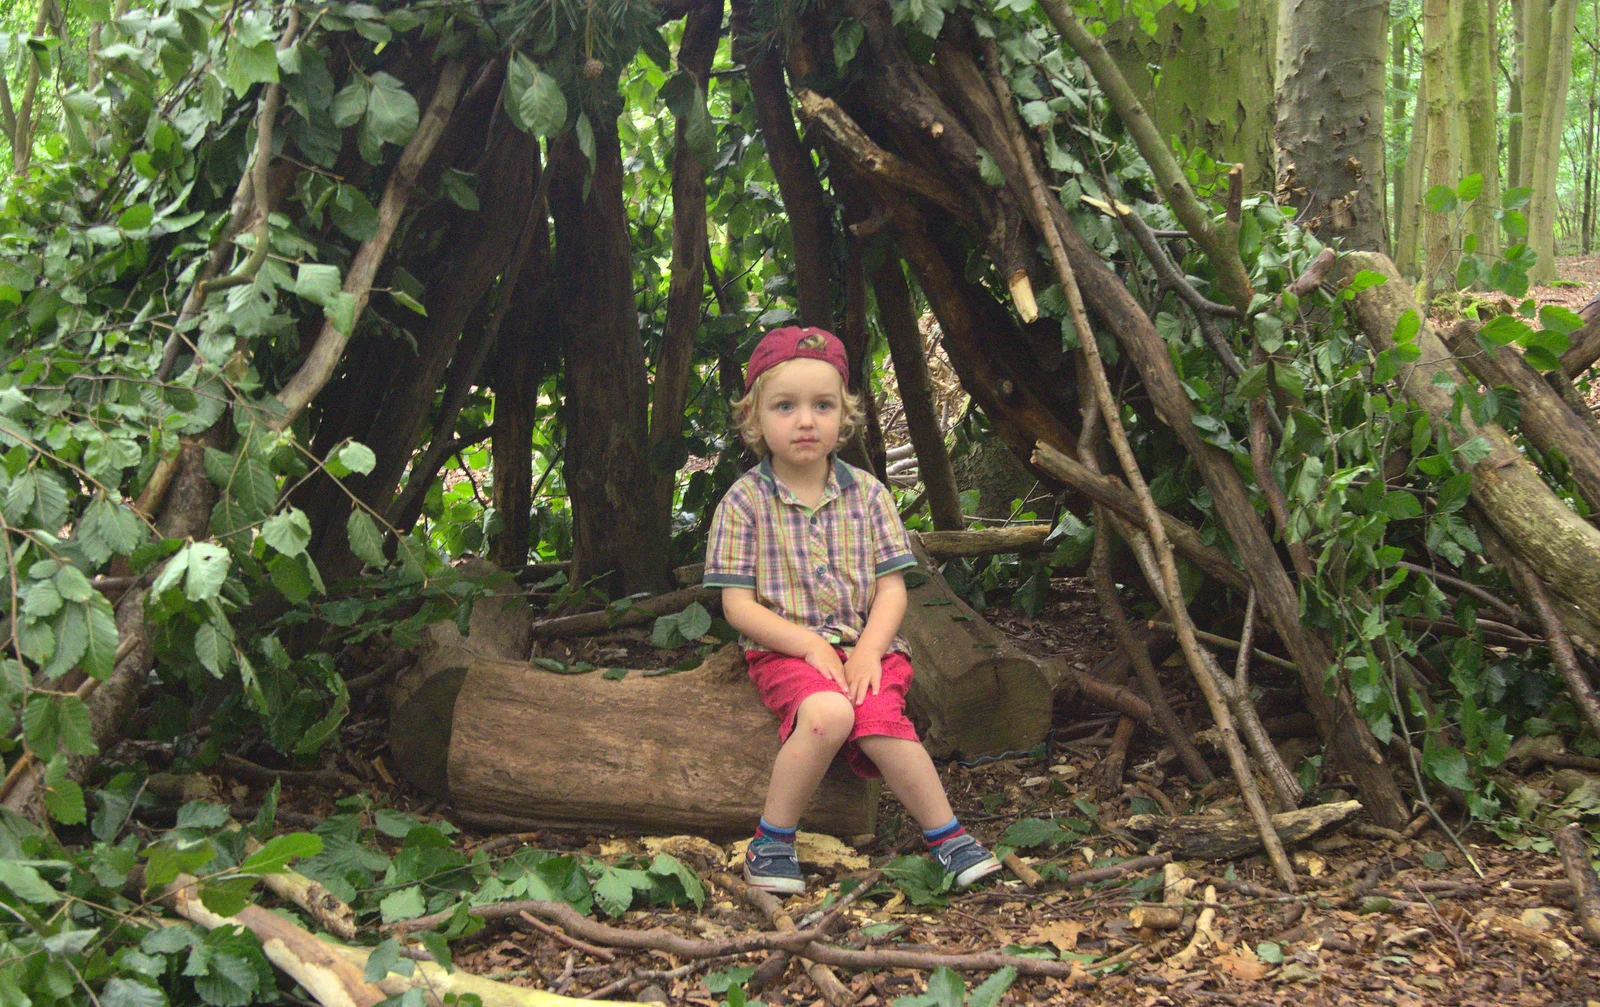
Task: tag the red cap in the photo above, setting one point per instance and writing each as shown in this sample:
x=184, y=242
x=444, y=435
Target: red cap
x=791, y=341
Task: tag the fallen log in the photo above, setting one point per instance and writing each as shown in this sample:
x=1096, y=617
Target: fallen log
x=1562, y=548
x=975, y=692
x=1205, y=837
x=944, y=545
x=516, y=747
x=1580, y=873
x=638, y=613
x=1546, y=420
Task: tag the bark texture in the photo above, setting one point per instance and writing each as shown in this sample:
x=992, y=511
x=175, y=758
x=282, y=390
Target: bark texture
x=618, y=530
x=1329, y=129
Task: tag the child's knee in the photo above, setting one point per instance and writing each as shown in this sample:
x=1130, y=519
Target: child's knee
x=827, y=715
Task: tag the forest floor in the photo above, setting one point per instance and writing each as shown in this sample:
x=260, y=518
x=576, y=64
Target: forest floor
x=1381, y=921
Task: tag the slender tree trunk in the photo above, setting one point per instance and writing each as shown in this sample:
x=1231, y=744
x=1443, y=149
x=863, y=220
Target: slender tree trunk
x=810, y=226
x=1535, y=43
x=1476, y=67
x=899, y=323
x=1399, y=77
x=1408, y=231
x=619, y=528
x=1438, y=271
x=1588, y=139
x=1514, y=97
x=528, y=346
x=1329, y=131
x=1552, y=123
x=22, y=122
x=686, y=291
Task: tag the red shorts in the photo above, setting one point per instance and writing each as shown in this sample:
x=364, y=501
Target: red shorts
x=784, y=682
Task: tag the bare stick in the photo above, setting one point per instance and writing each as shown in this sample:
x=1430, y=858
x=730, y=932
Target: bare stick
x=323, y=359
x=572, y=942
x=1241, y=666
x=1560, y=645
x=1110, y=412
x=1580, y=873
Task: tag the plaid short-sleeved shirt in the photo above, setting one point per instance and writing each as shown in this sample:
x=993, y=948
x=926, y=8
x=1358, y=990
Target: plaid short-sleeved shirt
x=818, y=567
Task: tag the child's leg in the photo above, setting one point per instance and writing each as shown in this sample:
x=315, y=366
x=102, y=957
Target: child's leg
x=821, y=726
x=910, y=775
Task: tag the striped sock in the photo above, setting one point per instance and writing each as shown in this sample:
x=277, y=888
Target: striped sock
x=933, y=837
x=766, y=830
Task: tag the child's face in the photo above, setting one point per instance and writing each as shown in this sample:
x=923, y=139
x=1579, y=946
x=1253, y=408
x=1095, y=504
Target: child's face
x=799, y=411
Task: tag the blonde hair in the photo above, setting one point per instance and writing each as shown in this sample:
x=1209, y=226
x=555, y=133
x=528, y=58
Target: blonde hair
x=749, y=426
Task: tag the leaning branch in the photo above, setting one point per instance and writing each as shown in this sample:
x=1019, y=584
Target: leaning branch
x=320, y=363
x=1224, y=255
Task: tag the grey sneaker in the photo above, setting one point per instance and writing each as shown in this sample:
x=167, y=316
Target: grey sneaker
x=966, y=858
x=770, y=864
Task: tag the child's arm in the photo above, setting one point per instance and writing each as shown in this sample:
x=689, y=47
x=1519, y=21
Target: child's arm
x=864, y=670
x=776, y=633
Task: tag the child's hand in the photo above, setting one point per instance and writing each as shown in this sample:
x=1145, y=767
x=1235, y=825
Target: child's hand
x=863, y=672
x=825, y=659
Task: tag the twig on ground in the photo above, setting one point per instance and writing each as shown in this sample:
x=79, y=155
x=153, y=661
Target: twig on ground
x=1585, y=885
x=603, y=954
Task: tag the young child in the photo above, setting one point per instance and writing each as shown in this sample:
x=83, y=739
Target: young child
x=808, y=552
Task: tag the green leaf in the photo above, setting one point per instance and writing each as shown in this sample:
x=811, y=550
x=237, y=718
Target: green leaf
x=350, y=104
x=357, y=457
x=988, y=994
x=386, y=958
x=212, y=649
x=694, y=621
x=72, y=639
x=63, y=798
x=279, y=850
x=542, y=107
x=847, y=38
x=317, y=282
x=461, y=187
x=392, y=113
x=613, y=893
x=120, y=992
x=26, y=883
x=1441, y=199
x=1561, y=320
x=41, y=724
x=227, y=897
x=352, y=212
x=1406, y=327
x=207, y=568
x=288, y=531
x=1502, y=330
x=136, y=217
x=1269, y=952
x=365, y=539
x=1470, y=188
x=289, y=576
x=1027, y=833
x=989, y=171
x=1448, y=766
x=249, y=65
x=946, y=987
x=406, y=904
x=76, y=732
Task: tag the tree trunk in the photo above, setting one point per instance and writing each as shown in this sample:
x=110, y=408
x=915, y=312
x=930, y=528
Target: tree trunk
x=1514, y=97
x=1474, y=60
x=1438, y=269
x=1588, y=148
x=686, y=752
x=810, y=228
x=899, y=322
x=1399, y=79
x=1408, y=229
x=528, y=347
x=974, y=692
x=1562, y=548
x=1544, y=152
x=1205, y=837
x=1543, y=416
x=1329, y=130
x=1194, y=49
x=619, y=528
x=686, y=291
